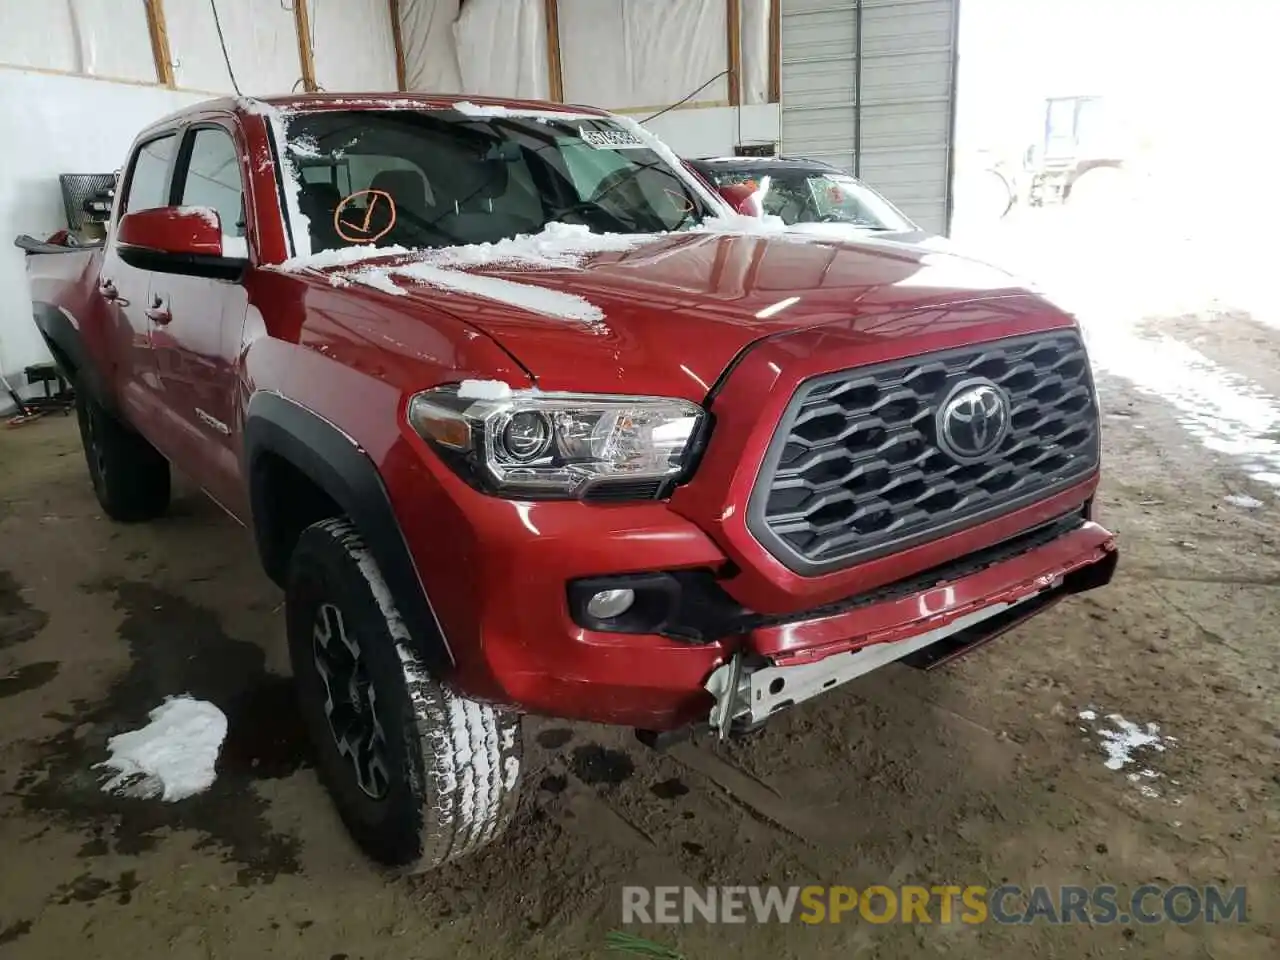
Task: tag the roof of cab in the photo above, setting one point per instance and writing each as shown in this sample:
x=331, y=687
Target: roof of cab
x=413, y=101
x=316, y=102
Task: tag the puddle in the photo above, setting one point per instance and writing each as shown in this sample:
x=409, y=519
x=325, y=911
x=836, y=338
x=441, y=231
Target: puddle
x=19, y=621
x=28, y=677
x=596, y=764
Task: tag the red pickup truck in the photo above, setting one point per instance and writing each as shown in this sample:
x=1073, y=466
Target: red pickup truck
x=524, y=419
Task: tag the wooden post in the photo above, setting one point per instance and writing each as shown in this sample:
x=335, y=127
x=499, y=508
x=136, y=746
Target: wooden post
x=159, y=42
x=775, y=51
x=555, y=75
x=734, y=17
x=306, y=56
x=397, y=40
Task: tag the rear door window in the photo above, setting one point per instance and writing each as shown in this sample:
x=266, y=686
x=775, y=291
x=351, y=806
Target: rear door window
x=149, y=179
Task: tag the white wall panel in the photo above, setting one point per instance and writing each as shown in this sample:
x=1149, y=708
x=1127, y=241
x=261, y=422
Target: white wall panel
x=502, y=48
x=430, y=51
x=713, y=131
x=622, y=53
x=493, y=47
x=353, y=46
x=105, y=38
x=262, y=44
x=67, y=125
x=897, y=132
x=753, y=19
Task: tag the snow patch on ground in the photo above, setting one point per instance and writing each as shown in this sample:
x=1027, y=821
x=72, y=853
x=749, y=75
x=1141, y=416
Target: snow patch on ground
x=173, y=757
x=483, y=390
x=1227, y=413
x=1243, y=500
x=1124, y=743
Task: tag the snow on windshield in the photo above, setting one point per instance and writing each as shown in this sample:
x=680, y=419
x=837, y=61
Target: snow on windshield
x=441, y=192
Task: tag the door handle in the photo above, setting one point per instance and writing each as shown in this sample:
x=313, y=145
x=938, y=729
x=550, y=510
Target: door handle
x=109, y=292
x=158, y=312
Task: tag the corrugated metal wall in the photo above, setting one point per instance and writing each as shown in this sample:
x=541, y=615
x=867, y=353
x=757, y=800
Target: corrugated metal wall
x=897, y=135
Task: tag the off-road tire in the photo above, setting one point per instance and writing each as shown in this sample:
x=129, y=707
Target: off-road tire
x=129, y=475
x=452, y=765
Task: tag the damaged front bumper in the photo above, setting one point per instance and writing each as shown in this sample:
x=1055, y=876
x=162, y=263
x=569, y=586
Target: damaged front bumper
x=750, y=687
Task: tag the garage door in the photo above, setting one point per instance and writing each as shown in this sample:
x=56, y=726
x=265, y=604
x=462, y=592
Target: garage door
x=897, y=135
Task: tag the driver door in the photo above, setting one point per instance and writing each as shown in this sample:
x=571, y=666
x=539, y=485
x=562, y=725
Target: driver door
x=198, y=323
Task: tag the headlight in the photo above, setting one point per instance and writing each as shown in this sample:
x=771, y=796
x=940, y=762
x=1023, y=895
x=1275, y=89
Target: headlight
x=534, y=444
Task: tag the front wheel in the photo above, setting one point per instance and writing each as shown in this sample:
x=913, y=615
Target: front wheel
x=420, y=775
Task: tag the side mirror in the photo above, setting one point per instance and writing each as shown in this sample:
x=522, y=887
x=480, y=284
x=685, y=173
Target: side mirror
x=185, y=240
x=742, y=199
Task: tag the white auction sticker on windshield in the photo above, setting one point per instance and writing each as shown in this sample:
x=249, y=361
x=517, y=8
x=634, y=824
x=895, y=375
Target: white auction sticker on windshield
x=612, y=139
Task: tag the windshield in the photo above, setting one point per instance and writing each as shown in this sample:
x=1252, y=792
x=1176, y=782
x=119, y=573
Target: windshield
x=807, y=196
x=442, y=178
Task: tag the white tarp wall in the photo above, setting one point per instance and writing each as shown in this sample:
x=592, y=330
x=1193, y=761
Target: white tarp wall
x=754, y=39
x=262, y=45
x=59, y=60
x=488, y=47
x=102, y=38
x=352, y=44
x=618, y=54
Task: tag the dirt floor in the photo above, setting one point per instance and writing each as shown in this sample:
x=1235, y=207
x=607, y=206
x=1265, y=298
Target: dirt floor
x=979, y=773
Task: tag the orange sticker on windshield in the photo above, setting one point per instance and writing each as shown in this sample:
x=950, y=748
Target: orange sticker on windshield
x=682, y=202
x=368, y=229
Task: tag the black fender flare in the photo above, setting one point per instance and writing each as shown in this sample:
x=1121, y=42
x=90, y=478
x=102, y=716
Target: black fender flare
x=343, y=470
x=69, y=353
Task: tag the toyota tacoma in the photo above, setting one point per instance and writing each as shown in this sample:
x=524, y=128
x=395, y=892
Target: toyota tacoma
x=524, y=419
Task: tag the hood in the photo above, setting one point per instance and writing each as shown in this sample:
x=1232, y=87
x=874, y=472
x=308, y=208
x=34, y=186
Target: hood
x=673, y=314
x=847, y=232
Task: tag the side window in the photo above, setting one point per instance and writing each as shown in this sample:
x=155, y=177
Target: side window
x=148, y=182
x=213, y=180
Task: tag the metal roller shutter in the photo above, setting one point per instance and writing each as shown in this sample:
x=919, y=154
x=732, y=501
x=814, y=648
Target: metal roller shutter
x=898, y=134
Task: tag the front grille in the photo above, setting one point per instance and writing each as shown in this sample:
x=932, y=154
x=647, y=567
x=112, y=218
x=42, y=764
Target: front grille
x=855, y=469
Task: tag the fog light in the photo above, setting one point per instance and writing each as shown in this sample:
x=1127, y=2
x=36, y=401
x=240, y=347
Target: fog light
x=608, y=604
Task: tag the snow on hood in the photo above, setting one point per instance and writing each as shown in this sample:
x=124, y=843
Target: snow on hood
x=559, y=246
x=527, y=296
x=172, y=757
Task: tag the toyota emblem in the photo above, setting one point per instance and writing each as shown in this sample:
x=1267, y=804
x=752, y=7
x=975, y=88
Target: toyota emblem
x=973, y=420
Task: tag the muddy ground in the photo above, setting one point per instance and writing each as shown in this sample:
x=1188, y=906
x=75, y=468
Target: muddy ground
x=979, y=773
